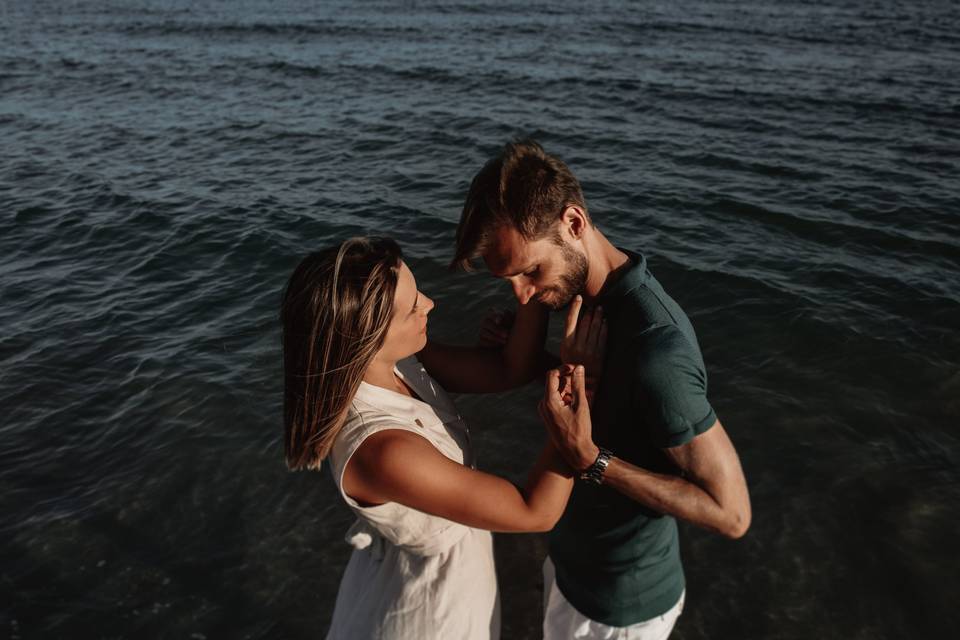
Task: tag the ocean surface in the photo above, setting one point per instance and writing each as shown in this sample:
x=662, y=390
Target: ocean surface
x=791, y=170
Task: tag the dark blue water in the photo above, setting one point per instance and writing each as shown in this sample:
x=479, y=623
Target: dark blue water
x=792, y=170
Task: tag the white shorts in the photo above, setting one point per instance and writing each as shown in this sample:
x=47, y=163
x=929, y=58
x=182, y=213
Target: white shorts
x=562, y=622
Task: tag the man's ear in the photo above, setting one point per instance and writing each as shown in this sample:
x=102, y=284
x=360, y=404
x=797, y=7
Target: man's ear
x=574, y=221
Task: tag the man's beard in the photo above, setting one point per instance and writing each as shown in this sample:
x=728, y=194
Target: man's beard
x=571, y=282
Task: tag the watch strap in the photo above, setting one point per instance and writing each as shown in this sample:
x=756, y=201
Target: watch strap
x=594, y=473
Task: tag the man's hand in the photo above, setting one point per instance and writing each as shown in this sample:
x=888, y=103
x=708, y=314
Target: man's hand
x=585, y=342
x=566, y=414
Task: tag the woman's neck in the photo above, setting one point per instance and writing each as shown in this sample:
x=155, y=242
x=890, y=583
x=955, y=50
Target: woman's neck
x=380, y=374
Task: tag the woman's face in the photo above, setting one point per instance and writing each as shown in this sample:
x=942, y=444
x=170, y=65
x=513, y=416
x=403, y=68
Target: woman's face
x=407, y=333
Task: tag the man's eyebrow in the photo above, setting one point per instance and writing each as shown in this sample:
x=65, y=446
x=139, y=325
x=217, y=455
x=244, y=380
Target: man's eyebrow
x=510, y=275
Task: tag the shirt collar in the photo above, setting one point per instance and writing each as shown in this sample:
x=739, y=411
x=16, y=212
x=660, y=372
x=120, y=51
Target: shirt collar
x=635, y=275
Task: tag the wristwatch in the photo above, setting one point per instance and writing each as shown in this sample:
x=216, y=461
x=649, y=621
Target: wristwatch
x=594, y=473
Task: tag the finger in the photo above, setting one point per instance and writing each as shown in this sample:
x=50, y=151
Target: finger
x=580, y=389
x=566, y=388
x=560, y=394
x=573, y=314
x=552, y=391
x=584, y=330
x=566, y=372
x=594, y=338
x=595, y=324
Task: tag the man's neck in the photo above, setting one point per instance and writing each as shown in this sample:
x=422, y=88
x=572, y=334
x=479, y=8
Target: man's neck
x=606, y=264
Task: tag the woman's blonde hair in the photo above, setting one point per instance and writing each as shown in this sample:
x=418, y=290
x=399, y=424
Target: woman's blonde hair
x=335, y=313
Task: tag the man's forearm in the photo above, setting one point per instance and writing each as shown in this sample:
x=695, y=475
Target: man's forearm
x=675, y=496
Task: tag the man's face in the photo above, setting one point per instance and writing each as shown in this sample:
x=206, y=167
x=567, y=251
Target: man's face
x=548, y=270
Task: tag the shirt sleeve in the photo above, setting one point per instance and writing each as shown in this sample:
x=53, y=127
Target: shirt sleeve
x=672, y=388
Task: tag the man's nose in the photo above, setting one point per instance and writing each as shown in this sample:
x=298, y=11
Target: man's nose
x=523, y=291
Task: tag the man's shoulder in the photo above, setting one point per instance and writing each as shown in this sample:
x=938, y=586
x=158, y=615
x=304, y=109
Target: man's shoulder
x=662, y=346
x=654, y=337
x=648, y=304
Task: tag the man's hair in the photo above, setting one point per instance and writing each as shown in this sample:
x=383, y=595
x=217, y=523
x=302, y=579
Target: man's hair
x=523, y=187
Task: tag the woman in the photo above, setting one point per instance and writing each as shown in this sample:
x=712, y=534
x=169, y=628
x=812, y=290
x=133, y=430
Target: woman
x=400, y=453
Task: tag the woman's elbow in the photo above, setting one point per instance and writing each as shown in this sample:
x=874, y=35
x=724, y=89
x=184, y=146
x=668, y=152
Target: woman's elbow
x=542, y=523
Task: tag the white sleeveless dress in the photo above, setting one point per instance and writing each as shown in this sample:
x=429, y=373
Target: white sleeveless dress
x=412, y=576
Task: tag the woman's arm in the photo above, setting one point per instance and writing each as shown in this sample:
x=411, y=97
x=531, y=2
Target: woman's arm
x=400, y=466
x=470, y=369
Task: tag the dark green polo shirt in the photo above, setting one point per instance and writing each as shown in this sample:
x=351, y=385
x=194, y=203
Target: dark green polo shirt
x=617, y=561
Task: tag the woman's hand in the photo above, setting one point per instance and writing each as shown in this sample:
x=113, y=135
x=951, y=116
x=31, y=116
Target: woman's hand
x=566, y=414
x=495, y=328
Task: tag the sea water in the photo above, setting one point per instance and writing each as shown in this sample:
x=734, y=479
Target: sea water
x=789, y=169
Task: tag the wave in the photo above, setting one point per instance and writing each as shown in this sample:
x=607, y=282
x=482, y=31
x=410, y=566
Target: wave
x=285, y=29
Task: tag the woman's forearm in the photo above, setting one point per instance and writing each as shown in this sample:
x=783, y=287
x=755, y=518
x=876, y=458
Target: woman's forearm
x=523, y=354
x=548, y=488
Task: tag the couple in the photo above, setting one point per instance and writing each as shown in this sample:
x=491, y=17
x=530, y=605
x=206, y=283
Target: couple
x=366, y=389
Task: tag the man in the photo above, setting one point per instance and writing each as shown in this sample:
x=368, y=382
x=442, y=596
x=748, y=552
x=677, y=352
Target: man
x=654, y=449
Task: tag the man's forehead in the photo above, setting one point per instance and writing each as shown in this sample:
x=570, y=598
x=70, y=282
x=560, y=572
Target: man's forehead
x=507, y=252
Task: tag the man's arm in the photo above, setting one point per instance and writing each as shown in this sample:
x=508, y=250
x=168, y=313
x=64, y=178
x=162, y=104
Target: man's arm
x=711, y=493
x=709, y=489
